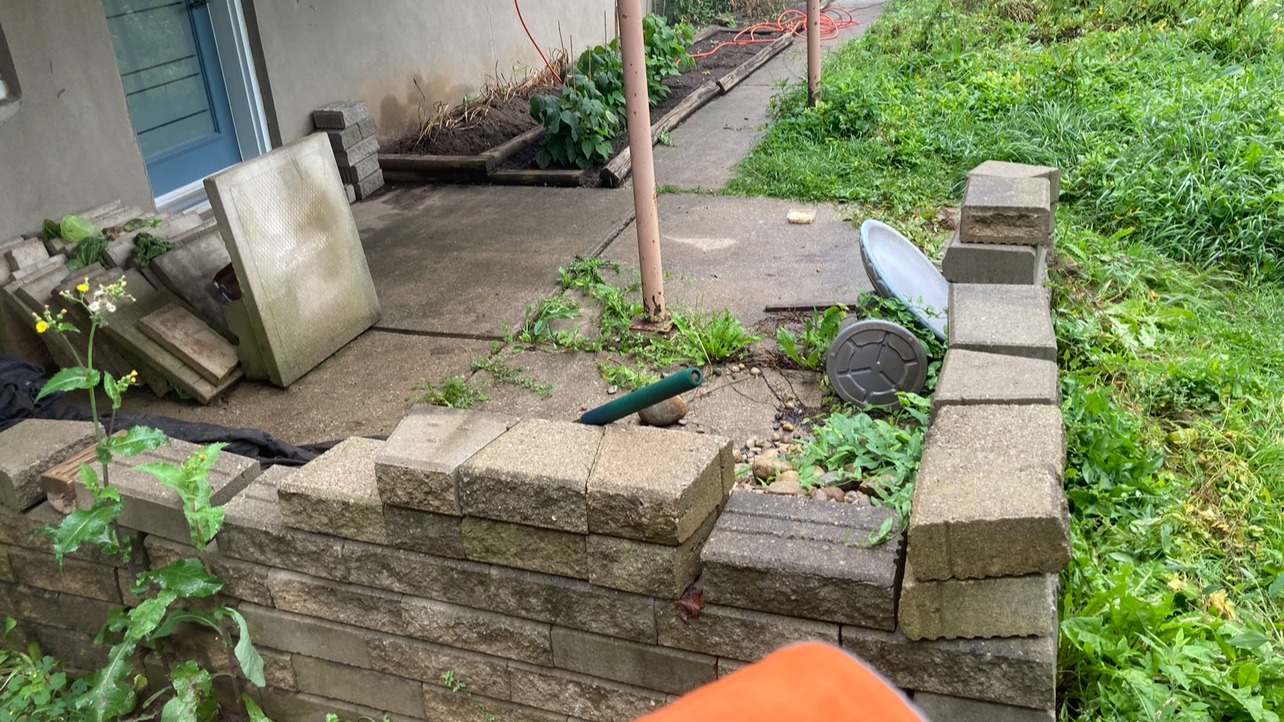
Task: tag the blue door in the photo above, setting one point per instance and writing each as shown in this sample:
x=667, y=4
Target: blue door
x=174, y=89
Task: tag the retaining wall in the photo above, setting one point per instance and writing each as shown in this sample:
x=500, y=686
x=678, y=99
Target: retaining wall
x=476, y=564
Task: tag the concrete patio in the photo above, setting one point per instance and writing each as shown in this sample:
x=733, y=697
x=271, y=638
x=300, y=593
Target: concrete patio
x=455, y=266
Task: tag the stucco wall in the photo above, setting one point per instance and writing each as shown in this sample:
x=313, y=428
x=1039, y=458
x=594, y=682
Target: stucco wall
x=70, y=145
x=316, y=51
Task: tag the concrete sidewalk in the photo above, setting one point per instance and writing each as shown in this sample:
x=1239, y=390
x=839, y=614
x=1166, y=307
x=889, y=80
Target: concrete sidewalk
x=457, y=266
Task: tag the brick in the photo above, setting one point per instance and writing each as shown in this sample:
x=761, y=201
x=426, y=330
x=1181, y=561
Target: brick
x=1008, y=211
x=656, y=485
x=1003, y=319
x=336, y=494
x=464, y=706
x=548, y=461
x=341, y=140
x=26, y=254
x=418, y=465
x=30, y=447
x=308, y=636
x=988, y=500
x=738, y=633
x=424, y=531
x=335, y=602
x=381, y=692
x=361, y=169
x=350, y=191
x=1004, y=169
x=531, y=595
x=956, y=709
x=1020, y=672
x=970, y=608
x=54, y=609
x=340, y=114
x=586, y=697
x=7, y=573
x=467, y=628
x=975, y=378
x=795, y=557
x=76, y=650
x=993, y=263
x=656, y=570
x=729, y=666
x=288, y=706
x=155, y=509
x=241, y=579
x=23, y=530
x=526, y=547
x=81, y=578
x=641, y=665
x=366, y=186
x=254, y=531
x=430, y=663
x=357, y=153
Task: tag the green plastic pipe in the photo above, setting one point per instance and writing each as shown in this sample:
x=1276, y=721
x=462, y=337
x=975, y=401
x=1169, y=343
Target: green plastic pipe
x=665, y=388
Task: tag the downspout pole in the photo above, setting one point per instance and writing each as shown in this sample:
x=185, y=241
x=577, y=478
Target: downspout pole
x=638, y=115
x=813, y=51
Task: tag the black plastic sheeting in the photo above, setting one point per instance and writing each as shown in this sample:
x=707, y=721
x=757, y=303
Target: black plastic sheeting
x=20, y=383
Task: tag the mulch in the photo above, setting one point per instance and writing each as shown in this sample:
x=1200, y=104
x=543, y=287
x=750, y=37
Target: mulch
x=508, y=118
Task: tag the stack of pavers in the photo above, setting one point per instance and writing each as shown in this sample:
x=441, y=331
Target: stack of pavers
x=356, y=149
x=989, y=530
x=173, y=333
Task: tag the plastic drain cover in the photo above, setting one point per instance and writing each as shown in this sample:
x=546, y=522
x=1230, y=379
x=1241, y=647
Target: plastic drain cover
x=871, y=361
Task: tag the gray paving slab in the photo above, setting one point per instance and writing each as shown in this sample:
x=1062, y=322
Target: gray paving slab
x=361, y=390
x=470, y=259
x=743, y=255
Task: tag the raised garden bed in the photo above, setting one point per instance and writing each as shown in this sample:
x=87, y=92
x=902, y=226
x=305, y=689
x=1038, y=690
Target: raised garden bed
x=501, y=147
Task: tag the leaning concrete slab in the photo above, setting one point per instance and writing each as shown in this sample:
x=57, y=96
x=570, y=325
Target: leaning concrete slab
x=657, y=485
x=973, y=377
x=1003, y=319
x=494, y=250
x=337, y=494
x=793, y=556
x=1020, y=672
x=1006, y=210
x=30, y=447
x=535, y=474
x=297, y=255
x=418, y=466
x=742, y=254
x=993, y=263
x=988, y=500
x=972, y=608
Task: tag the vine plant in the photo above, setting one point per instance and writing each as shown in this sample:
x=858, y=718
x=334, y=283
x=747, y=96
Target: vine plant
x=166, y=594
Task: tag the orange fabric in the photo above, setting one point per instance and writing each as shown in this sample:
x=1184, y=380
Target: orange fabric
x=810, y=682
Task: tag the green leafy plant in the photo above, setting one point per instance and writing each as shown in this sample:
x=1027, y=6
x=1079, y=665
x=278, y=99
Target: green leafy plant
x=819, y=331
x=666, y=53
x=164, y=593
x=148, y=247
x=579, y=124
x=500, y=370
x=455, y=392
x=541, y=318
x=882, y=452
x=33, y=687
x=631, y=379
x=712, y=339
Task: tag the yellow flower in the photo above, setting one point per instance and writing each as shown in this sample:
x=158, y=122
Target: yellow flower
x=41, y=326
x=84, y=286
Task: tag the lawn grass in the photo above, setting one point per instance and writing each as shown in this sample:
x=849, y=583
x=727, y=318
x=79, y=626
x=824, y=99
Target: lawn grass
x=1165, y=116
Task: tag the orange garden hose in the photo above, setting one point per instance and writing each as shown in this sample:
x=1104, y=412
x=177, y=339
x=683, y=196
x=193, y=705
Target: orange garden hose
x=538, y=49
x=794, y=22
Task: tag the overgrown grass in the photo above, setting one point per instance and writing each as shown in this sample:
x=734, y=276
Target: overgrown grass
x=1165, y=117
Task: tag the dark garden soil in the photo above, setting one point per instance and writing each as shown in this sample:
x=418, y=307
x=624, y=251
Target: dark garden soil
x=508, y=118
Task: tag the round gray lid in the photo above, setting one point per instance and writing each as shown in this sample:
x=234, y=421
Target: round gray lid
x=899, y=270
x=872, y=360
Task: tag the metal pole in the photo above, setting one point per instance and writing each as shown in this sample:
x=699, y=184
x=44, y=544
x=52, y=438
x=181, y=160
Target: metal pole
x=813, y=51
x=637, y=107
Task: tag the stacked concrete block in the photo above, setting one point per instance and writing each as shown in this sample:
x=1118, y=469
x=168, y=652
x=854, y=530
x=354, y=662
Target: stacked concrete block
x=1005, y=225
x=29, y=448
x=351, y=131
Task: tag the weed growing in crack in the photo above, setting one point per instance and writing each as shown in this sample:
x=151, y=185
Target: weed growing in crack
x=503, y=373
x=455, y=393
